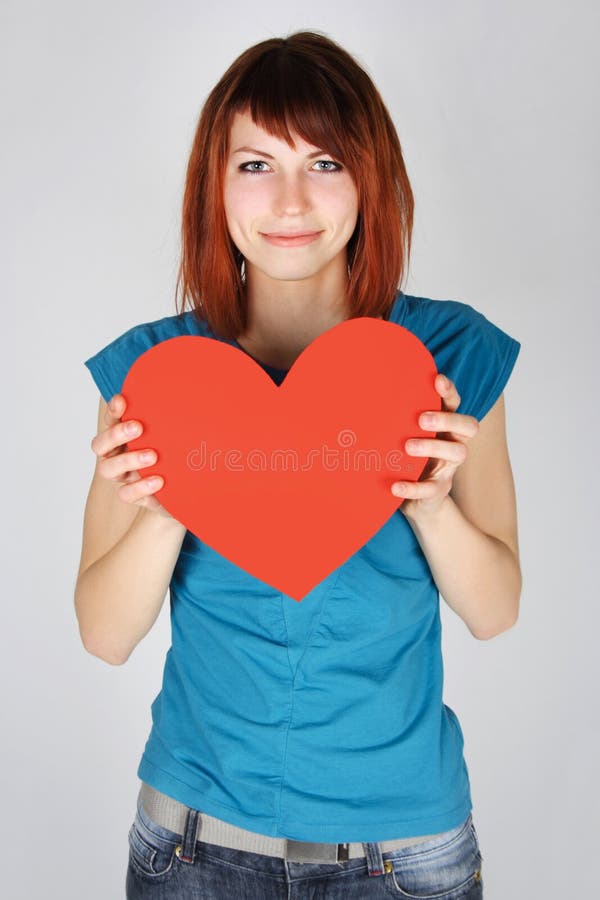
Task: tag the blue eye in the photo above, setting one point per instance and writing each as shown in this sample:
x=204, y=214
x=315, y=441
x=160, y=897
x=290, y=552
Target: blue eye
x=329, y=162
x=260, y=162
x=254, y=162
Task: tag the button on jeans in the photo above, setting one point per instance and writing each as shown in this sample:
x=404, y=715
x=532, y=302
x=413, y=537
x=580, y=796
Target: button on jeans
x=164, y=865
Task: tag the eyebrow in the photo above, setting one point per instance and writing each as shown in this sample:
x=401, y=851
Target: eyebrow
x=268, y=155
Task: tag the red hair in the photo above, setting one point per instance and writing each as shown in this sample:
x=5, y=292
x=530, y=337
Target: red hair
x=308, y=84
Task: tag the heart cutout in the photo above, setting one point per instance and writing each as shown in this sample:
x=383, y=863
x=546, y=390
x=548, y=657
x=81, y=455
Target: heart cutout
x=288, y=481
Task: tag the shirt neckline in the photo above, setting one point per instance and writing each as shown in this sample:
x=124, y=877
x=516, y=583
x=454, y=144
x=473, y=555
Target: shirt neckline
x=263, y=364
x=392, y=317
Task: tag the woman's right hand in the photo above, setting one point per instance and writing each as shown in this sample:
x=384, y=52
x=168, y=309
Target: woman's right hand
x=118, y=464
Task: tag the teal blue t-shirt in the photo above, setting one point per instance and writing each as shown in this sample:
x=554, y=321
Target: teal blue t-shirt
x=321, y=720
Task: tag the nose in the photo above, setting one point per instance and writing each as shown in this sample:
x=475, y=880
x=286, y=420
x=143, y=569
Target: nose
x=292, y=197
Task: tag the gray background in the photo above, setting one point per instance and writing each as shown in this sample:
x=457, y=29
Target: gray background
x=496, y=108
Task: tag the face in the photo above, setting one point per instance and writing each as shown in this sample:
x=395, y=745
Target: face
x=273, y=189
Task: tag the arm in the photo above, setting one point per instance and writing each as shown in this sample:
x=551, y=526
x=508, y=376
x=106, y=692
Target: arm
x=127, y=559
x=470, y=537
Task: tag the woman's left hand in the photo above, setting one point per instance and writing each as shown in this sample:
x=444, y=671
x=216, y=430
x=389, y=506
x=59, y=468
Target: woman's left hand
x=435, y=482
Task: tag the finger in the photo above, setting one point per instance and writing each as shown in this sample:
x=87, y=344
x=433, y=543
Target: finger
x=417, y=490
x=115, y=467
x=113, y=412
x=448, y=392
x=129, y=493
x=454, y=422
x=451, y=451
x=127, y=478
x=114, y=409
x=115, y=437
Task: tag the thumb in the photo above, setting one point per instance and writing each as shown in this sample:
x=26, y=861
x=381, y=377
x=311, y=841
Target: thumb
x=114, y=409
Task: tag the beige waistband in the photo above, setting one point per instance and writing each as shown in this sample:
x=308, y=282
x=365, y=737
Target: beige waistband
x=171, y=814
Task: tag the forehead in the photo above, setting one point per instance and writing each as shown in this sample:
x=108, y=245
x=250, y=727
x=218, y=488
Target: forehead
x=244, y=131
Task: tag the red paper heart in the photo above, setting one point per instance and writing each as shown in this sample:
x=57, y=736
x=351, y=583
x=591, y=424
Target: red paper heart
x=286, y=481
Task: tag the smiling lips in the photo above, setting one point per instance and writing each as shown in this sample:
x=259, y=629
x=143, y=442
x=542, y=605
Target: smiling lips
x=291, y=240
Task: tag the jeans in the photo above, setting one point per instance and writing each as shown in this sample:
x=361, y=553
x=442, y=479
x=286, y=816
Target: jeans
x=164, y=865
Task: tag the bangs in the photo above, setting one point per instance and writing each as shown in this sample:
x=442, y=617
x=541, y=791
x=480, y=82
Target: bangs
x=284, y=94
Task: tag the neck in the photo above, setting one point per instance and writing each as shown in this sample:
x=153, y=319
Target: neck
x=284, y=317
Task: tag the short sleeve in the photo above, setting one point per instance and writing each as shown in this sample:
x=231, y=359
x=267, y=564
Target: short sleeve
x=471, y=350
x=110, y=365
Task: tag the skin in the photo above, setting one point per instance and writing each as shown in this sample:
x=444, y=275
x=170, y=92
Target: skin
x=293, y=294
x=122, y=466
x=462, y=509
x=446, y=453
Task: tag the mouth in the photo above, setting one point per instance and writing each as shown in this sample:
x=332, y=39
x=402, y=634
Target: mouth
x=292, y=240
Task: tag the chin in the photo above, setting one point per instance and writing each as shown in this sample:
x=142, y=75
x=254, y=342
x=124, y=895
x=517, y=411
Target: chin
x=288, y=272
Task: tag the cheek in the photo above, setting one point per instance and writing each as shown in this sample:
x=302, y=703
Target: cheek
x=242, y=202
x=346, y=216
x=342, y=204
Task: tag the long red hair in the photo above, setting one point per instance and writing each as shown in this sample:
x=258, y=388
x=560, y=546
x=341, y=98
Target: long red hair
x=308, y=84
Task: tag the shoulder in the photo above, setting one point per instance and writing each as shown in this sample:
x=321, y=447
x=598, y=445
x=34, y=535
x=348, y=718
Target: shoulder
x=475, y=352
x=147, y=334
x=429, y=315
x=109, y=365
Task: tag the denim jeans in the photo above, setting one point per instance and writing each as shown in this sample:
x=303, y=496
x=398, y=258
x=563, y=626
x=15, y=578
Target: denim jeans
x=164, y=865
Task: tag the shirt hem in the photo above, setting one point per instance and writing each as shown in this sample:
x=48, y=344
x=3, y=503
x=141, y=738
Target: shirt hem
x=339, y=832
x=502, y=379
x=101, y=382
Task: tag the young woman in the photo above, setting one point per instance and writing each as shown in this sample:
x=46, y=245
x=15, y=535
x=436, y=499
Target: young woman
x=302, y=749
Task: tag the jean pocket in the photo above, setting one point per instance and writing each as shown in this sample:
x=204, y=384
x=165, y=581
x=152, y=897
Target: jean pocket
x=150, y=855
x=443, y=871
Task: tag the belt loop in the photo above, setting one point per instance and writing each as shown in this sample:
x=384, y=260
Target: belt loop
x=189, y=836
x=374, y=858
